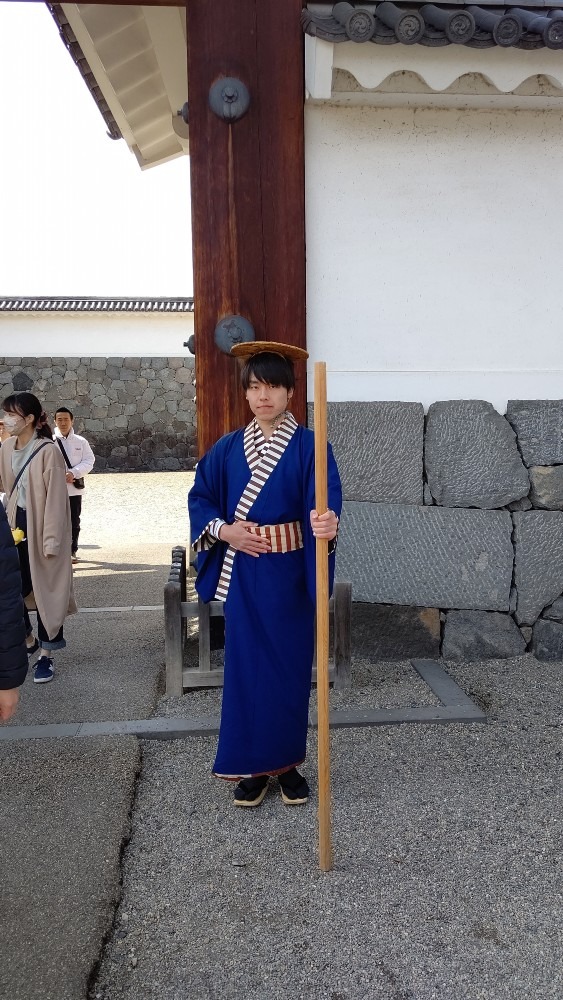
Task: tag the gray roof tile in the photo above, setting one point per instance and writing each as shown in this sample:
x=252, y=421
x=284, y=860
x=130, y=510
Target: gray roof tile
x=88, y=304
x=537, y=26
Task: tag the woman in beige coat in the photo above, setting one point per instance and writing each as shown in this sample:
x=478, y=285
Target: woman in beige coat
x=33, y=474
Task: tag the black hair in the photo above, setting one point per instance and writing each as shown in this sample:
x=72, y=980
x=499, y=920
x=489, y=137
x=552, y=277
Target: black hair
x=273, y=369
x=64, y=409
x=26, y=404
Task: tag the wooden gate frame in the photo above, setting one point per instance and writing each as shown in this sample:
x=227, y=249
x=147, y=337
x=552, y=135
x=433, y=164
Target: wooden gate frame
x=177, y=611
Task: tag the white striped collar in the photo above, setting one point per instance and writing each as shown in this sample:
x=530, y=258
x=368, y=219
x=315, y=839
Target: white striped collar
x=254, y=439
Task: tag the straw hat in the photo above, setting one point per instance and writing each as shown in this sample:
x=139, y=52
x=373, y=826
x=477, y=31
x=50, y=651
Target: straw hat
x=249, y=348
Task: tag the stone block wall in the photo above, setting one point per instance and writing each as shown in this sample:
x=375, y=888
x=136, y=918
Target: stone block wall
x=137, y=413
x=460, y=511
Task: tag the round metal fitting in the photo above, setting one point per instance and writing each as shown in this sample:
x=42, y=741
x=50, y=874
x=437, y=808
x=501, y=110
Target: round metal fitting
x=233, y=330
x=229, y=98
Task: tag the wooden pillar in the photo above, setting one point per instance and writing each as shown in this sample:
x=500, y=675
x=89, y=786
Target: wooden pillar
x=247, y=184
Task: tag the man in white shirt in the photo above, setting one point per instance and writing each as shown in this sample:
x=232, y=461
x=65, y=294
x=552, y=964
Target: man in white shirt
x=79, y=460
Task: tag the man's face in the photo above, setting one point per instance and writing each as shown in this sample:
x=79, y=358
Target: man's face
x=267, y=401
x=64, y=422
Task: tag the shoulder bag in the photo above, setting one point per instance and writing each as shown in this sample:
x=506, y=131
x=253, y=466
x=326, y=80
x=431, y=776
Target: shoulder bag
x=78, y=483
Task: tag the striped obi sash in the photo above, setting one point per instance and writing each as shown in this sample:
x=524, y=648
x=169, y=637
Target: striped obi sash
x=282, y=537
x=261, y=465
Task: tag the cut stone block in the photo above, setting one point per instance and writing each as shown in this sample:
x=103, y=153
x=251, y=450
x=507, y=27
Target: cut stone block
x=378, y=448
x=391, y=632
x=538, y=564
x=471, y=456
x=524, y=504
x=481, y=635
x=554, y=611
x=547, y=486
x=426, y=556
x=547, y=640
x=539, y=427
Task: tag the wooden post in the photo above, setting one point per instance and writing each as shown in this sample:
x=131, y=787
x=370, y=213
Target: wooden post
x=204, y=615
x=182, y=552
x=321, y=504
x=173, y=629
x=248, y=193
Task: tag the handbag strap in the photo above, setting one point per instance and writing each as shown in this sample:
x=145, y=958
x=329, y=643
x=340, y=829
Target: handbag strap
x=65, y=456
x=25, y=465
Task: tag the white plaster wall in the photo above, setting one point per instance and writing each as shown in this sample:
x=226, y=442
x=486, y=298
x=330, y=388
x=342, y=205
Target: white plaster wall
x=99, y=334
x=434, y=253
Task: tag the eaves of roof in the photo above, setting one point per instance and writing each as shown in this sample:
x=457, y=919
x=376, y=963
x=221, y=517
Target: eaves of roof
x=78, y=57
x=55, y=304
x=133, y=61
x=437, y=25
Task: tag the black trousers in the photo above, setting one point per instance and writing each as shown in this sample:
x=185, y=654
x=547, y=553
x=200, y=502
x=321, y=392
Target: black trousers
x=75, y=508
x=58, y=641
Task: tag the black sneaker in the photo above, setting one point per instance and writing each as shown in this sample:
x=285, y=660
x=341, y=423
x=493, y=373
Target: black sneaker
x=251, y=791
x=294, y=789
x=44, y=670
x=33, y=649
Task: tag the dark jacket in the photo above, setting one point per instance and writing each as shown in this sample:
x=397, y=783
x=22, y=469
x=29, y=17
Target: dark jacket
x=13, y=652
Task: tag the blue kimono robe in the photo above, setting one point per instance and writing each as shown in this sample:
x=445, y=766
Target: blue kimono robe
x=270, y=606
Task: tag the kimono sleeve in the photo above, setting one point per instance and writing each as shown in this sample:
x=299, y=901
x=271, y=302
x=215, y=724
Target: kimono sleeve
x=334, y=491
x=205, y=505
x=207, y=510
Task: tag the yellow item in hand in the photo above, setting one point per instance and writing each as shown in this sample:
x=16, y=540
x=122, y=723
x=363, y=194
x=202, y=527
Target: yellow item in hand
x=18, y=535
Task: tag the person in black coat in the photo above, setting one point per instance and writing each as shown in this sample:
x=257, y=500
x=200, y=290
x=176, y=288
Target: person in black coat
x=13, y=652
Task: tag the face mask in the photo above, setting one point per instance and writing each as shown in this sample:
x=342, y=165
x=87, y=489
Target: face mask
x=11, y=422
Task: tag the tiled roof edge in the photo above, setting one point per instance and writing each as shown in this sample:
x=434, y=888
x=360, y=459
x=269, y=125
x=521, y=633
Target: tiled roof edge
x=436, y=25
x=88, y=304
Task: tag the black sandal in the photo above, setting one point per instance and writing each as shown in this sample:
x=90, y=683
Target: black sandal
x=251, y=791
x=294, y=788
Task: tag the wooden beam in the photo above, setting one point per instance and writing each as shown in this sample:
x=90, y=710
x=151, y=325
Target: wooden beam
x=122, y=3
x=247, y=182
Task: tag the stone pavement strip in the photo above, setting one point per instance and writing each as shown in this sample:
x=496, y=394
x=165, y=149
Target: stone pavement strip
x=63, y=820
x=65, y=804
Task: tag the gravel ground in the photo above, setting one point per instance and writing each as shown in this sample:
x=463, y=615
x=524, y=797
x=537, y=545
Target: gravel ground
x=447, y=876
x=394, y=684
x=136, y=507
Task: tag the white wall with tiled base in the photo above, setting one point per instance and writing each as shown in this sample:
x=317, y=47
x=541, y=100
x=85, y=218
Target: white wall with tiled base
x=434, y=252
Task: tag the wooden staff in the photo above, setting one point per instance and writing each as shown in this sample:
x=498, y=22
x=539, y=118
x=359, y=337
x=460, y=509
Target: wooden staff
x=321, y=504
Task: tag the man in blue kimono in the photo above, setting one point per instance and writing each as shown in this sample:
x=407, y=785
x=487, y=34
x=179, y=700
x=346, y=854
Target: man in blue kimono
x=254, y=524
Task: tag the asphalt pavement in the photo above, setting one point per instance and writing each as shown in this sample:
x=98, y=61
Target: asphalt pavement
x=126, y=873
